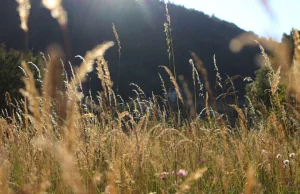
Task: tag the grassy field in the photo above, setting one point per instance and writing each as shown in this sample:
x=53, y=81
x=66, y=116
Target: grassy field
x=57, y=141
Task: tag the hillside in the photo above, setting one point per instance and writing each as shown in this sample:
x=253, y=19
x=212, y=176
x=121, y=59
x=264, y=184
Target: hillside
x=140, y=25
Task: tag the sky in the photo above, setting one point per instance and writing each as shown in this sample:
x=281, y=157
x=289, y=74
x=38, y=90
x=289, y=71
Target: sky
x=251, y=15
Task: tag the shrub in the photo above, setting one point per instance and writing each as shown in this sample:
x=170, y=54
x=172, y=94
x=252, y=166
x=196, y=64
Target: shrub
x=11, y=73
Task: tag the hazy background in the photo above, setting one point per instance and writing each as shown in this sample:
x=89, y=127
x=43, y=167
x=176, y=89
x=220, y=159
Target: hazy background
x=251, y=15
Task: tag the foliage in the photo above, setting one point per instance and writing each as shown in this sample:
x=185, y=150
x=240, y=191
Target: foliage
x=259, y=91
x=11, y=73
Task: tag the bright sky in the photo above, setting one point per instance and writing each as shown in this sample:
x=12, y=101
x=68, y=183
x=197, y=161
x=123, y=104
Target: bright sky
x=251, y=15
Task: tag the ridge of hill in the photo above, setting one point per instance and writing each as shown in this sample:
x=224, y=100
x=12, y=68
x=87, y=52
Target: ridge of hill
x=140, y=25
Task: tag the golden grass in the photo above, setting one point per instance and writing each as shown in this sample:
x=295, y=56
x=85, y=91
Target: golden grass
x=119, y=50
x=174, y=82
x=53, y=145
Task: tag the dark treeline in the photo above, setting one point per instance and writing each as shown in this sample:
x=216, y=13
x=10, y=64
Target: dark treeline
x=140, y=25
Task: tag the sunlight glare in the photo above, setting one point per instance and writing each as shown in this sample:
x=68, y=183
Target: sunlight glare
x=51, y=4
x=57, y=11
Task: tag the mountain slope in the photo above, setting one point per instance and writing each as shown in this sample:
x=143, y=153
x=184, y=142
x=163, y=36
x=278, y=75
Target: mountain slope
x=140, y=25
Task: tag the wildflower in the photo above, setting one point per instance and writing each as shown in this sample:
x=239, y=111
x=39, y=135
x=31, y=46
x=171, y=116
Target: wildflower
x=203, y=160
x=264, y=152
x=286, y=162
x=182, y=172
x=278, y=156
x=108, y=189
x=292, y=155
x=164, y=175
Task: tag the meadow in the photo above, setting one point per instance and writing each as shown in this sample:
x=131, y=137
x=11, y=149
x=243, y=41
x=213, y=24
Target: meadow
x=56, y=140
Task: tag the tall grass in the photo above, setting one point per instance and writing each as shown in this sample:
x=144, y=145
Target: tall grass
x=53, y=143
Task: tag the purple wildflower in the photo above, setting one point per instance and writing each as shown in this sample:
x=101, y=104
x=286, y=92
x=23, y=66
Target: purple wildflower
x=164, y=175
x=182, y=172
x=203, y=160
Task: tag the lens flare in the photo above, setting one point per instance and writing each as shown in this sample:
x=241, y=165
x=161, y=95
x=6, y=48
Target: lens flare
x=57, y=11
x=51, y=4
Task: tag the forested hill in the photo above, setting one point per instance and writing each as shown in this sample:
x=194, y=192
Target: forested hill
x=140, y=25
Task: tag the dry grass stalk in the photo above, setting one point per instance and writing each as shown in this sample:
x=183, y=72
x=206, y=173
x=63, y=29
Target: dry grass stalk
x=194, y=71
x=72, y=111
x=11, y=111
x=173, y=80
x=101, y=76
x=218, y=76
x=186, y=185
x=26, y=115
x=196, y=74
x=118, y=39
x=242, y=119
x=139, y=89
x=24, y=12
x=107, y=78
x=250, y=181
x=190, y=103
x=293, y=87
x=31, y=93
x=119, y=50
x=275, y=81
x=232, y=88
x=168, y=31
x=223, y=178
x=7, y=99
x=200, y=67
x=122, y=115
x=169, y=39
x=89, y=59
x=52, y=85
x=207, y=109
x=163, y=86
x=107, y=85
x=112, y=187
x=70, y=173
x=297, y=45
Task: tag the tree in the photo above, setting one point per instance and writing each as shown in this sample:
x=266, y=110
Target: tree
x=11, y=73
x=260, y=90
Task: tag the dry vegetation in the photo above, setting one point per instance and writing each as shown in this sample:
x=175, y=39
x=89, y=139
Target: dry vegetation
x=52, y=142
